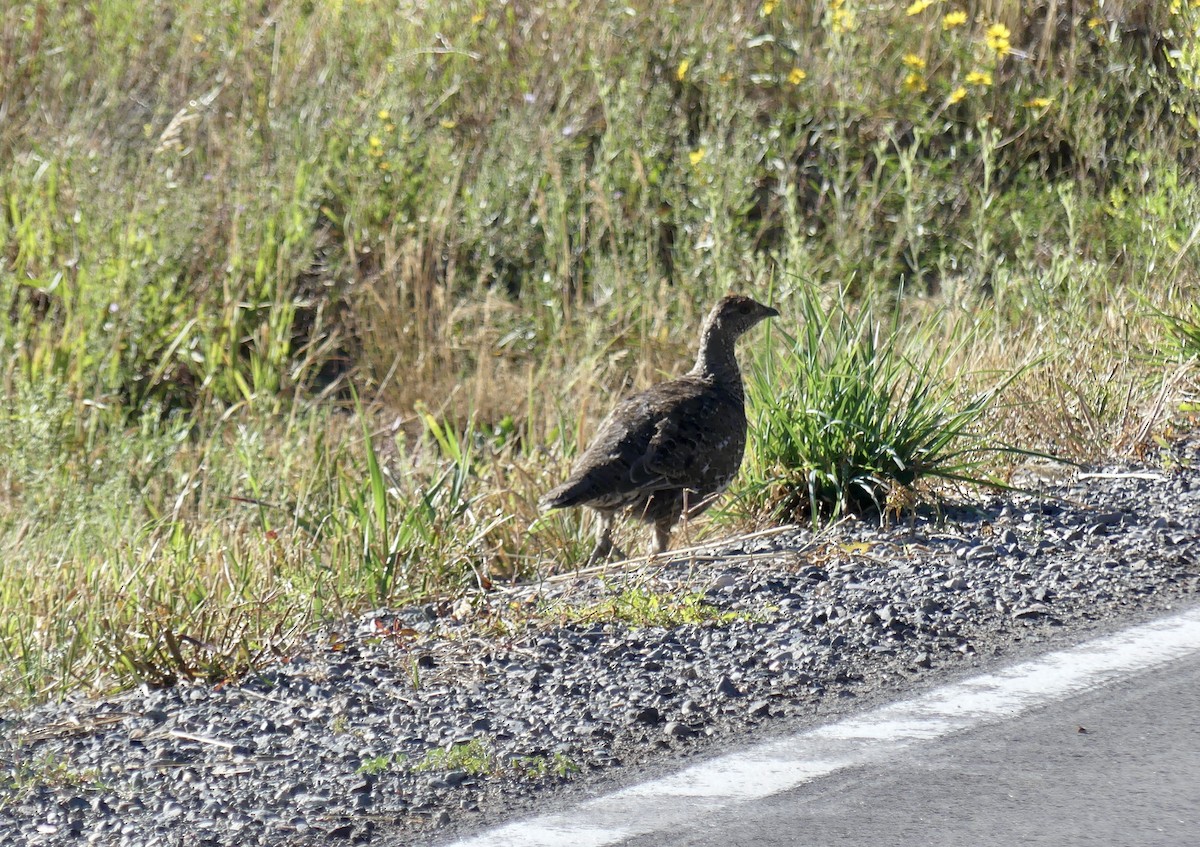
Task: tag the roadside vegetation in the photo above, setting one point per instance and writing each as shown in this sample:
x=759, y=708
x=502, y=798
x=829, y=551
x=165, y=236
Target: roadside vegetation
x=641, y=606
x=303, y=305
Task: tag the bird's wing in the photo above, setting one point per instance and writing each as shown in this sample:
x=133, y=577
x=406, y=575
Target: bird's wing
x=652, y=441
x=686, y=441
x=620, y=457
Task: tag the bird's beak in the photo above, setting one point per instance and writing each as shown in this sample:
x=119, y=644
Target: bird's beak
x=770, y=312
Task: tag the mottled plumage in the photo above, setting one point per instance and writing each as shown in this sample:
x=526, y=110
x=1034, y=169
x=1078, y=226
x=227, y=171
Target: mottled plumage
x=670, y=450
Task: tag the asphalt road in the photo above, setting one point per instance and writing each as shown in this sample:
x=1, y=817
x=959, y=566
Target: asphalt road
x=1097, y=744
x=1131, y=778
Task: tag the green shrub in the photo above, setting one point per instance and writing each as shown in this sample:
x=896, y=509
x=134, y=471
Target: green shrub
x=856, y=408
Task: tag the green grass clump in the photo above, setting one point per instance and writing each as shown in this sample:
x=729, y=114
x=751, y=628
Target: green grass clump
x=474, y=756
x=855, y=409
x=1184, y=330
x=477, y=758
x=560, y=766
x=377, y=764
x=638, y=606
x=45, y=770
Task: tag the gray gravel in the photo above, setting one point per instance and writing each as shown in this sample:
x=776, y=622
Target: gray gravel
x=347, y=741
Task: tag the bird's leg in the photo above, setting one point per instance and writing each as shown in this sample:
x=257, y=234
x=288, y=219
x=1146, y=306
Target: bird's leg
x=662, y=527
x=603, y=540
x=604, y=546
x=684, y=509
x=662, y=536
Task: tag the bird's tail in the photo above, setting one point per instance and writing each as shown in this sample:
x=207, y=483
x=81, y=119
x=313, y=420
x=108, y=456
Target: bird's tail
x=570, y=493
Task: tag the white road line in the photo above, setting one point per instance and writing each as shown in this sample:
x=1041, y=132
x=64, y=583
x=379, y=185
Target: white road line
x=772, y=767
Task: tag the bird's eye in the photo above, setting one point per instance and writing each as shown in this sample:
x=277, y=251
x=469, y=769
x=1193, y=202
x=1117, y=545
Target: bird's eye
x=744, y=308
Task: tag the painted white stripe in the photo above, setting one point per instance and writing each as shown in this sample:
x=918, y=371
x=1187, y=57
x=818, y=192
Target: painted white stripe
x=776, y=766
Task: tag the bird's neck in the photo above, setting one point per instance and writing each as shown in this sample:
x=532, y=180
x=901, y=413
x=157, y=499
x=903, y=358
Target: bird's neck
x=716, y=358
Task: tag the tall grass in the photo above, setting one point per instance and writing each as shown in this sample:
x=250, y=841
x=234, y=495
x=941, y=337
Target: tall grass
x=220, y=222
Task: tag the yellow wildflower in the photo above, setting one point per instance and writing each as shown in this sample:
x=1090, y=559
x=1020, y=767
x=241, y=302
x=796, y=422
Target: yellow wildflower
x=1094, y=23
x=912, y=60
x=1039, y=102
x=797, y=76
x=918, y=7
x=446, y=123
x=384, y=115
x=915, y=82
x=478, y=17
x=696, y=156
x=956, y=95
x=953, y=19
x=374, y=141
x=681, y=72
x=844, y=20
x=997, y=38
x=979, y=78
x=768, y=7
x=199, y=38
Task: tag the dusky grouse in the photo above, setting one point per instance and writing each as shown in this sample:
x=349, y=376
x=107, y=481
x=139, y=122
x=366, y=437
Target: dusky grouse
x=670, y=450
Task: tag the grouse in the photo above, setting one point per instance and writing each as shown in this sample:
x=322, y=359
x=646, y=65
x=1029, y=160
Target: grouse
x=670, y=450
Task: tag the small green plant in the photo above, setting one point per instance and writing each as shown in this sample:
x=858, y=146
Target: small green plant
x=475, y=757
x=44, y=770
x=845, y=416
x=376, y=765
x=1183, y=329
x=641, y=607
x=560, y=765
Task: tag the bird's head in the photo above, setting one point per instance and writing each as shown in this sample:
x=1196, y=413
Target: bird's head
x=735, y=314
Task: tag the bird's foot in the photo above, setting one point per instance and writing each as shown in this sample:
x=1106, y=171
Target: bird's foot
x=606, y=551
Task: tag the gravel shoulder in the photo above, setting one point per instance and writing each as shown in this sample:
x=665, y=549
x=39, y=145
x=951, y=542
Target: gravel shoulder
x=403, y=726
